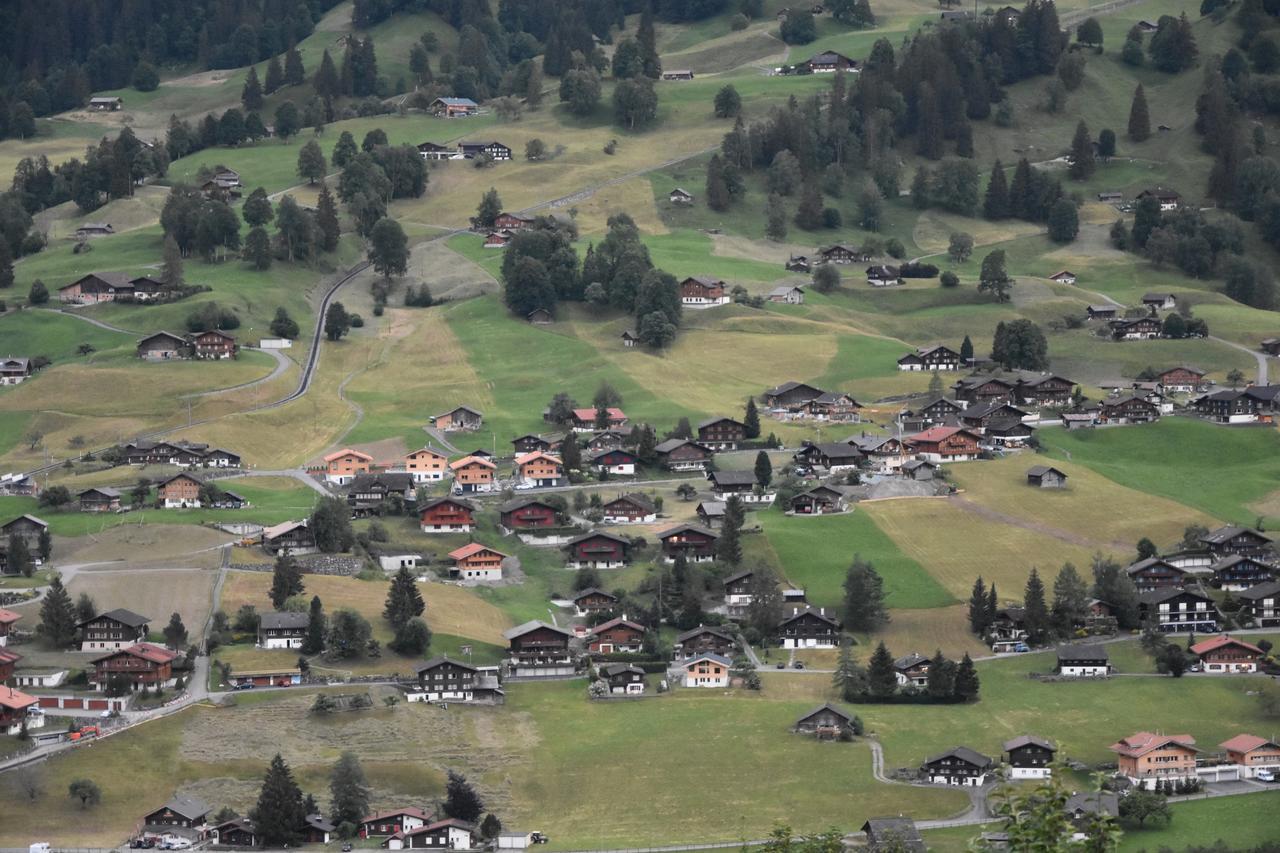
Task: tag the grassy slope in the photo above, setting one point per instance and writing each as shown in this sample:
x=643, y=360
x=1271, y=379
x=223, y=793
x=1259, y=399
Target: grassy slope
x=1218, y=471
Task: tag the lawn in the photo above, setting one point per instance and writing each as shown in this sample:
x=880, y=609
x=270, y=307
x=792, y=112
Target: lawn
x=155, y=593
x=815, y=553
x=1218, y=470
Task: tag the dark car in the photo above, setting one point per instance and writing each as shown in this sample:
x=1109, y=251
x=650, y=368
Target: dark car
x=798, y=664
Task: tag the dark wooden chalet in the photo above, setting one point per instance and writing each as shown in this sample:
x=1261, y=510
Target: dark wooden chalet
x=843, y=254
x=113, y=629
x=1261, y=604
x=820, y=500
x=623, y=678
x=594, y=600
x=394, y=821
x=790, y=395
x=448, y=515
x=530, y=442
x=679, y=454
x=933, y=411
x=1231, y=406
x=697, y=544
x=702, y=639
x=538, y=649
x=527, y=513
x=1239, y=572
x=629, y=509
x=958, y=766
x=1043, y=389
x=1029, y=756
x=141, y=665
x=1046, y=477
x=982, y=389
x=617, y=635
x=182, y=812
x=725, y=483
x=979, y=415
x=721, y=433
x=808, y=628
x=1135, y=328
x=825, y=721
x=1172, y=610
x=936, y=357
x=1156, y=573
x=597, y=550
x=1127, y=409
x=1229, y=540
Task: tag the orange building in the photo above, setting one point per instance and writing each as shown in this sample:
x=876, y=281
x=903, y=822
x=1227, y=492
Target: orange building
x=477, y=562
x=1225, y=654
x=426, y=464
x=341, y=466
x=1252, y=753
x=473, y=474
x=1147, y=758
x=539, y=469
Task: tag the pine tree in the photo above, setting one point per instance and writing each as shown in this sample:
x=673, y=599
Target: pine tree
x=326, y=80
x=20, y=562
x=966, y=350
x=1081, y=156
x=6, y=265
x=809, y=210
x=967, y=684
x=279, y=814
x=942, y=677
x=849, y=679
x=763, y=469
x=57, y=615
x=1035, y=611
x=294, y=73
x=489, y=208
x=286, y=581
x=729, y=545
x=751, y=419
x=571, y=453
x=717, y=190
x=978, y=623
x=327, y=219
x=1070, y=600
x=882, y=678
x=1139, y=117
x=1022, y=201
x=647, y=40
x=175, y=633
x=251, y=95
x=461, y=800
x=349, y=791
x=275, y=76
x=314, y=642
x=404, y=601
x=993, y=603
x=171, y=265
x=864, y=608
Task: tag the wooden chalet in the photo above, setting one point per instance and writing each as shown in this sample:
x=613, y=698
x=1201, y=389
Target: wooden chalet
x=14, y=370
x=1135, y=328
x=834, y=406
x=1183, y=379
x=492, y=149
x=1157, y=573
x=829, y=61
x=1046, y=477
x=933, y=411
x=593, y=600
x=1101, y=312
x=630, y=509
x=613, y=460
x=981, y=388
x=1173, y=610
x=721, y=433
x=597, y=550
x=825, y=721
x=707, y=669
x=528, y=513
x=473, y=474
x=427, y=464
x=453, y=107
x=679, y=195
x=625, y=679
x=787, y=294
x=978, y=416
x=1225, y=654
x=1029, y=757
x=1127, y=409
x=912, y=670
x=958, y=766
x=98, y=499
x=442, y=679
x=448, y=515
x=1229, y=540
x=180, y=813
x=1239, y=572
x=459, y=418
x=727, y=483
x=616, y=635
x=584, y=420
x=703, y=291
x=393, y=822
x=529, y=442
x=141, y=665
x=680, y=454
x=1063, y=277
x=1252, y=753
x=944, y=444
x=696, y=544
x=1232, y=406
x=677, y=74
x=1261, y=604
x=807, y=628
x=704, y=638
x=342, y=466
x=214, y=343
x=289, y=538
x=820, y=500
x=436, y=151
x=790, y=396
x=180, y=491
x=1146, y=758
x=536, y=649
x=883, y=275
x=930, y=358
x=1083, y=661
x=841, y=253
x=540, y=469
x=282, y=629
x=163, y=346
x=96, y=287
x=710, y=514
x=113, y=629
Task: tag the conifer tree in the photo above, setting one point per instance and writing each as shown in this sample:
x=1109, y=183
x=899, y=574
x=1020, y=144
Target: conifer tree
x=717, y=190
x=327, y=219
x=942, y=677
x=57, y=615
x=1070, y=600
x=864, y=608
x=275, y=76
x=326, y=80
x=404, y=601
x=294, y=73
x=1139, y=117
x=251, y=94
x=966, y=350
x=1081, y=156
x=280, y=813
x=729, y=545
x=461, y=800
x=171, y=264
x=849, y=679
x=1035, y=610
x=647, y=39
x=571, y=453
x=1022, y=202
x=993, y=603
x=882, y=678
x=967, y=684
x=978, y=623
x=20, y=562
x=751, y=419
x=314, y=642
x=763, y=469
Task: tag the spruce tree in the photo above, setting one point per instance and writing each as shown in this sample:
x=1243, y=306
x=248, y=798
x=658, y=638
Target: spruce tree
x=751, y=419
x=1022, y=201
x=286, y=581
x=864, y=607
x=763, y=469
x=57, y=615
x=966, y=350
x=978, y=623
x=175, y=633
x=349, y=791
x=20, y=562
x=849, y=679
x=1139, y=117
x=729, y=545
x=280, y=813
x=882, y=678
x=461, y=800
x=993, y=603
x=942, y=677
x=1081, y=156
x=314, y=642
x=171, y=263
x=647, y=39
x=294, y=73
x=967, y=684
x=404, y=600
x=1070, y=600
x=327, y=219
x=275, y=76
x=1035, y=610
x=809, y=210
x=326, y=80
x=489, y=208
x=571, y=453
x=251, y=94
x=717, y=190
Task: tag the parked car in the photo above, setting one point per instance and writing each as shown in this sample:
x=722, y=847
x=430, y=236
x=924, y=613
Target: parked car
x=782, y=664
x=1265, y=776
x=798, y=664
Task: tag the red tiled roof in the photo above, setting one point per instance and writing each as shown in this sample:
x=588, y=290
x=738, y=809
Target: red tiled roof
x=338, y=454
x=7, y=656
x=472, y=549
x=411, y=811
x=1215, y=643
x=471, y=460
x=147, y=651
x=937, y=433
x=7, y=616
x=590, y=414
x=613, y=623
x=15, y=700
x=1141, y=743
x=1246, y=743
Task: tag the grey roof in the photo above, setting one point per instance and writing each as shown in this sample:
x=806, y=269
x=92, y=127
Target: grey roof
x=981, y=410
x=733, y=478
x=511, y=505
x=521, y=630
x=674, y=443
x=681, y=528
x=790, y=386
x=809, y=610
x=1157, y=596
x=592, y=590
x=284, y=619
x=704, y=629
x=1262, y=590
x=102, y=490
x=458, y=102
x=913, y=464
x=712, y=656
x=1225, y=534
x=739, y=575
x=785, y=289
x=439, y=659
x=605, y=451
x=29, y=517
x=1088, y=651
x=712, y=508
x=189, y=807
x=908, y=661
x=963, y=753
x=1029, y=740
x=893, y=828
x=1041, y=470
x=593, y=534
x=639, y=500
x=709, y=421
x=619, y=668
x=395, y=481
x=124, y=617
x=826, y=706
x=1092, y=802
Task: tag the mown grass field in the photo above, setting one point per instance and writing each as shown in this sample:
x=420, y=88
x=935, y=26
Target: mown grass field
x=815, y=553
x=1217, y=470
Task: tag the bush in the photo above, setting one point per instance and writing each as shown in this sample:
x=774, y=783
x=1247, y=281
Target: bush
x=916, y=270
x=357, y=321
x=950, y=279
x=895, y=249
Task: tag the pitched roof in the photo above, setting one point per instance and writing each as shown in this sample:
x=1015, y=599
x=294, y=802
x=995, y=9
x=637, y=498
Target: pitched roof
x=8, y=617
x=124, y=617
x=1247, y=743
x=592, y=590
x=790, y=386
x=635, y=499
x=471, y=460
x=803, y=611
x=589, y=414
x=534, y=455
x=704, y=629
x=711, y=656
x=437, y=661
x=40, y=522
x=826, y=706
x=938, y=433
x=457, y=102
x=686, y=528
x=15, y=700
x=411, y=811
x=101, y=490
x=1087, y=651
x=277, y=530
x=1262, y=590
x=615, y=622
x=532, y=625
x=1158, y=596
x=733, y=478
x=284, y=619
x=675, y=443
x=963, y=753
x=471, y=549
x=1029, y=740
x=465, y=504
x=346, y=451
x=1220, y=641
x=1041, y=470
x=908, y=661
x=147, y=651
x=512, y=505
x=191, y=808
x=1140, y=743
x=1229, y=532
x=1094, y=802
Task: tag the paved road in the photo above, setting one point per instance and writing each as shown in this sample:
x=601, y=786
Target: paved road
x=296, y=473
x=90, y=320
x=283, y=363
